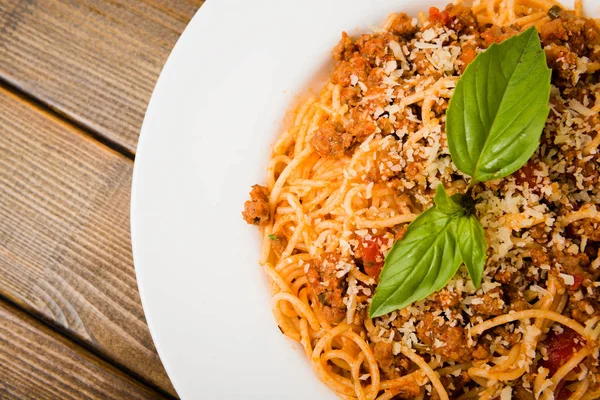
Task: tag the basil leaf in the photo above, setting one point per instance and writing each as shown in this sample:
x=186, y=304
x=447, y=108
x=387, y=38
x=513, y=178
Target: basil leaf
x=434, y=246
x=445, y=204
x=499, y=107
x=472, y=246
x=421, y=263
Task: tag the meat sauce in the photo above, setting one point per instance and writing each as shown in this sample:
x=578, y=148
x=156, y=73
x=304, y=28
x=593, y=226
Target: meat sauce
x=441, y=323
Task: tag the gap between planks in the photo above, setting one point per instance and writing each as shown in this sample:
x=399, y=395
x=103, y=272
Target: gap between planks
x=36, y=327
x=30, y=311
x=46, y=107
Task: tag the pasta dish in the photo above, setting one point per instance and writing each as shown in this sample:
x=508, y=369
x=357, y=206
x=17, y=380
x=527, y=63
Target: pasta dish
x=363, y=159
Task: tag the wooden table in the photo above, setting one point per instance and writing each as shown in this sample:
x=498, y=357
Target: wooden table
x=75, y=79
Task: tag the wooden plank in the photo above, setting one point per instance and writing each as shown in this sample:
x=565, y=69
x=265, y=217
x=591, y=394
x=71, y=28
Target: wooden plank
x=65, y=250
x=95, y=61
x=37, y=363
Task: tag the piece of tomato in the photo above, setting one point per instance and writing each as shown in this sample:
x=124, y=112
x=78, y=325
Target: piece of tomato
x=435, y=15
x=560, y=348
x=577, y=281
x=563, y=394
x=372, y=255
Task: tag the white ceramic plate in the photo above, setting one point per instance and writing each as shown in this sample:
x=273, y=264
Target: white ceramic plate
x=216, y=109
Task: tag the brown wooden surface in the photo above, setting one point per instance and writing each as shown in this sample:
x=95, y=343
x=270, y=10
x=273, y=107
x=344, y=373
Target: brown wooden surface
x=65, y=251
x=36, y=363
x=75, y=74
x=95, y=61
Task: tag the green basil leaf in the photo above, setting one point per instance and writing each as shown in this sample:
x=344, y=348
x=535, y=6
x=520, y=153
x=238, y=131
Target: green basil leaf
x=499, y=107
x=444, y=203
x=421, y=263
x=472, y=246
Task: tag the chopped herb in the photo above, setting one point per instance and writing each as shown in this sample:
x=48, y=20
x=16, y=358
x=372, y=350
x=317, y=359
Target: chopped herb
x=322, y=299
x=554, y=12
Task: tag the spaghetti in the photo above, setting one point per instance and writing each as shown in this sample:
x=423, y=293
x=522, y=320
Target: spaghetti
x=362, y=160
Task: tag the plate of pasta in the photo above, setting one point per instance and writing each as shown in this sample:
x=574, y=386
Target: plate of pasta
x=375, y=200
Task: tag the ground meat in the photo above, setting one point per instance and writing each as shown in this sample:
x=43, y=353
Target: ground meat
x=452, y=338
x=587, y=227
x=278, y=243
x=480, y=353
x=359, y=316
x=326, y=288
x=357, y=66
x=350, y=95
x=412, y=169
x=579, y=92
x=520, y=393
x=331, y=140
x=402, y=25
x=383, y=354
x=461, y=18
x=576, y=33
x=569, y=263
x=492, y=304
x=447, y=298
x=527, y=175
x=516, y=299
x=385, y=125
x=594, y=56
x=583, y=310
x=587, y=168
x=539, y=257
x=496, y=34
x=421, y=63
x=391, y=366
x=539, y=234
x=409, y=391
x=344, y=49
x=553, y=32
x=507, y=335
x=457, y=17
x=506, y=276
x=256, y=210
x=360, y=130
x=375, y=78
x=373, y=99
x=439, y=107
x=592, y=250
x=563, y=63
x=455, y=384
x=406, y=120
x=574, y=265
x=373, y=48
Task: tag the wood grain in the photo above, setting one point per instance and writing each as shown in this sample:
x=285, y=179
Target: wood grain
x=65, y=251
x=95, y=61
x=37, y=363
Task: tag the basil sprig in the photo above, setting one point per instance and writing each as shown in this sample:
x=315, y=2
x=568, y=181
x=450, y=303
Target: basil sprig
x=494, y=123
x=499, y=108
x=434, y=246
